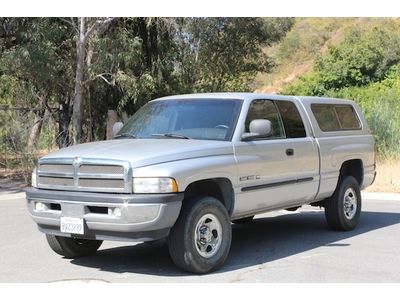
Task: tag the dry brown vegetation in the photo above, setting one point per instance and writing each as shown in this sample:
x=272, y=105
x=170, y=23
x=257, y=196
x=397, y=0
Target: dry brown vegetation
x=308, y=38
x=388, y=177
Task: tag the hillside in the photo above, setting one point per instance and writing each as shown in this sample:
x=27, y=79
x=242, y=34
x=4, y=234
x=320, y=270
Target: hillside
x=309, y=37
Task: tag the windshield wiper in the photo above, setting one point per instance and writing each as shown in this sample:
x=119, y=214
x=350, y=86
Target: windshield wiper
x=125, y=135
x=172, y=135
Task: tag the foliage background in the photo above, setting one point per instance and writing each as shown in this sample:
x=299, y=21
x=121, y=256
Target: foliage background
x=125, y=63
x=362, y=65
x=130, y=61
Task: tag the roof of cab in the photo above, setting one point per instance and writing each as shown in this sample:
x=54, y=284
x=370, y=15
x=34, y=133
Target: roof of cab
x=252, y=96
x=241, y=96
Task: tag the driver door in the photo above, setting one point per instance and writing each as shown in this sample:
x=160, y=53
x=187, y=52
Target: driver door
x=265, y=165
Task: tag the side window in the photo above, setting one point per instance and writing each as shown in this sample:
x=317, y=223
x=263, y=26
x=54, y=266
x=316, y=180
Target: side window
x=294, y=126
x=335, y=117
x=265, y=109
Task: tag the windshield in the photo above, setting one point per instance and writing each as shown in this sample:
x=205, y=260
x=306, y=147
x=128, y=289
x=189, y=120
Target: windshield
x=205, y=119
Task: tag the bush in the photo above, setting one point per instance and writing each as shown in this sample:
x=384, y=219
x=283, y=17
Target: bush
x=384, y=123
x=14, y=154
x=380, y=103
x=364, y=56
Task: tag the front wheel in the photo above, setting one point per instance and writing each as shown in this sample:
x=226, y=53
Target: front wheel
x=72, y=247
x=343, y=209
x=200, y=240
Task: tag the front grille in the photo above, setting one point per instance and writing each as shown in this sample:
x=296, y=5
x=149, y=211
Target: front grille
x=83, y=174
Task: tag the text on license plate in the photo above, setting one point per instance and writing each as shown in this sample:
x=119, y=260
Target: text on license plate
x=71, y=225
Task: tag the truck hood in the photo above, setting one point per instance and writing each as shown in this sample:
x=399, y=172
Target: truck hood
x=144, y=152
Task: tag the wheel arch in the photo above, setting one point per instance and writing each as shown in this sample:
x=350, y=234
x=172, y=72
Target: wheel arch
x=220, y=188
x=352, y=167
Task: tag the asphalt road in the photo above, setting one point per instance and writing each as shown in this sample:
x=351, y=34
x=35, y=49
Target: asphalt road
x=277, y=247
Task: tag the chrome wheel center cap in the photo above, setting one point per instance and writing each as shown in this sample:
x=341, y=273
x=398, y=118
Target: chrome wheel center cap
x=350, y=203
x=208, y=235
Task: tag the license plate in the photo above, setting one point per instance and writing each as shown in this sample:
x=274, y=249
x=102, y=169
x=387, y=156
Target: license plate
x=71, y=225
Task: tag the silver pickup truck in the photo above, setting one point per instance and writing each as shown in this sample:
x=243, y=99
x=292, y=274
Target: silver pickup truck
x=186, y=167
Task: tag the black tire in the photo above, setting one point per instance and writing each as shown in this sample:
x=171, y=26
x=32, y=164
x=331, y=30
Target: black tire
x=337, y=216
x=71, y=247
x=183, y=248
x=243, y=220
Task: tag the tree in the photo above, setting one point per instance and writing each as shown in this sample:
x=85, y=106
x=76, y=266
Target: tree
x=225, y=54
x=85, y=66
x=34, y=65
x=96, y=27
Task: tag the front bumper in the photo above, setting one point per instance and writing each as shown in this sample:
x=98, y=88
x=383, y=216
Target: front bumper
x=142, y=218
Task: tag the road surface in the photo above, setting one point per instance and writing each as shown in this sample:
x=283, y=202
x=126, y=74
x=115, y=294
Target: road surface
x=277, y=247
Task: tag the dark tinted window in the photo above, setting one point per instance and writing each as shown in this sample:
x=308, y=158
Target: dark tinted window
x=291, y=118
x=335, y=117
x=265, y=109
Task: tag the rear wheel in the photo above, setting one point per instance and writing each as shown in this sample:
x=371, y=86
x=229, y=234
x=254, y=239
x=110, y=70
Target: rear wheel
x=72, y=247
x=200, y=240
x=343, y=209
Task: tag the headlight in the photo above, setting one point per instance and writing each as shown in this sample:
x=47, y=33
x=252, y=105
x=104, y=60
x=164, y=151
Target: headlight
x=34, y=177
x=154, y=185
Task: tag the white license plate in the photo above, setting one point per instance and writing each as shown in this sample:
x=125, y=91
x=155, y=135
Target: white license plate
x=71, y=225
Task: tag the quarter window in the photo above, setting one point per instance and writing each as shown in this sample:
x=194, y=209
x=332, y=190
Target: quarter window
x=294, y=126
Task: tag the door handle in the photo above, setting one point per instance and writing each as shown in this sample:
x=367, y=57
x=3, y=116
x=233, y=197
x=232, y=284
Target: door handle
x=289, y=152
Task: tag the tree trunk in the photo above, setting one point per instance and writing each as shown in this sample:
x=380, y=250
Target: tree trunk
x=97, y=28
x=125, y=117
x=112, y=118
x=37, y=125
x=77, y=111
x=89, y=57
x=62, y=138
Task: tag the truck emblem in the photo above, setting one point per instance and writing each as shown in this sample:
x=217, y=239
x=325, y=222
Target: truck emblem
x=77, y=160
x=250, y=177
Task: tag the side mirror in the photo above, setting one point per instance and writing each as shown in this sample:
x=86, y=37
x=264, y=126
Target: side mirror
x=117, y=127
x=259, y=128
